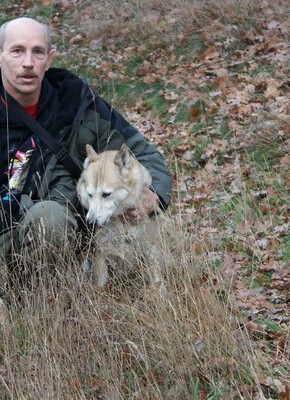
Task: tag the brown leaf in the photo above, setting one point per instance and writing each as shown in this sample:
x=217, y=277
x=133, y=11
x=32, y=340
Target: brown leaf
x=64, y=3
x=209, y=54
x=272, y=89
x=285, y=395
x=144, y=69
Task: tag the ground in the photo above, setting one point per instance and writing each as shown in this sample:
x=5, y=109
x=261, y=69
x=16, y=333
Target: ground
x=209, y=86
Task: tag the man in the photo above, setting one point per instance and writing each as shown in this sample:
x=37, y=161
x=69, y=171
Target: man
x=38, y=193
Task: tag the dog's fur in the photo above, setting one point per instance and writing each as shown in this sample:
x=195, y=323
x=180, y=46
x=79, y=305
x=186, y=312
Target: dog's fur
x=111, y=183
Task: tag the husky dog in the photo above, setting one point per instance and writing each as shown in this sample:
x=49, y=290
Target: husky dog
x=111, y=183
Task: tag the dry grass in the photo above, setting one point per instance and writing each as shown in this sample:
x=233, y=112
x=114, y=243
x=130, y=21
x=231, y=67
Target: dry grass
x=68, y=339
x=65, y=338
x=141, y=18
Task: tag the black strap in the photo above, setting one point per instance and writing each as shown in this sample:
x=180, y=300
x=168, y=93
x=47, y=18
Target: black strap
x=57, y=148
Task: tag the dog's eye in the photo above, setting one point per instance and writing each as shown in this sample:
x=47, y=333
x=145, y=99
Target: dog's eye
x=90, y=195
x=106, y=194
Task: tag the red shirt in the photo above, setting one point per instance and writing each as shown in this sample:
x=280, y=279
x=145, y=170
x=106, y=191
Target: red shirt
x=32, y=110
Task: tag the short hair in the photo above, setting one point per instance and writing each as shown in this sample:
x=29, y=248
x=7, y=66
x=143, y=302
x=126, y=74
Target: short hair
x=44, y=26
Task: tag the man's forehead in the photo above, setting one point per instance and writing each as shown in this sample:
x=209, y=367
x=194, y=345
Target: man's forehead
x=25, y=29
x=25, y=32
x=24, y=23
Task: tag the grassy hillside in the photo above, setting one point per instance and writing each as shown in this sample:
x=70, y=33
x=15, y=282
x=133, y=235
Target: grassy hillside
x=207, y=82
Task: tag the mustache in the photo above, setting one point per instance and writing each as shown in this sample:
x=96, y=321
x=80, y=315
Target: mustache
x=28, y=75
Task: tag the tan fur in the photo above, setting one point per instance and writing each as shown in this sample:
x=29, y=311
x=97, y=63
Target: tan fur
x=112, y=182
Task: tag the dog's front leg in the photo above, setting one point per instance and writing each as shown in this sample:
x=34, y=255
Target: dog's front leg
x=100, y=269
x=156, y=269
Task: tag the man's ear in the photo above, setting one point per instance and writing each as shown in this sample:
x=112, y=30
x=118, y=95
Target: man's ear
x=49, y=59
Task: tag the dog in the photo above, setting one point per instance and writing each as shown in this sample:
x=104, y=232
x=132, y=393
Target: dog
x=111, y=183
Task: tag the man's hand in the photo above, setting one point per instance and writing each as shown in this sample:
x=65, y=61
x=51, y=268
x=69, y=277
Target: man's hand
x=147, y=204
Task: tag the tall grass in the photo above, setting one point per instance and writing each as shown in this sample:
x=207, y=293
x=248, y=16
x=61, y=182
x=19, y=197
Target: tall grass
x=62, y=336
x=66, y=338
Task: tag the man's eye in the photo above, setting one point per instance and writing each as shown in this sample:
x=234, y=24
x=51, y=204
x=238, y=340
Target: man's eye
x=39, y=53
x=16, y=51
x=106, y=194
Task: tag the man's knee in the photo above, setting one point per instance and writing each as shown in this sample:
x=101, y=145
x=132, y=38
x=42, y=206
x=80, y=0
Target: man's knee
x=47, y=220
x=6, y=241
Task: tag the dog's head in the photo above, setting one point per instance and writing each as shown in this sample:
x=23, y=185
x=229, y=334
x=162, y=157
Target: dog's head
x=110, y=183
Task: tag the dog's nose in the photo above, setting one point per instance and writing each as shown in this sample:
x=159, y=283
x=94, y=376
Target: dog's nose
x=91, y=219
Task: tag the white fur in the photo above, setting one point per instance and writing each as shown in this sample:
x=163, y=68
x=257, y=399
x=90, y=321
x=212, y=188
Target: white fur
x=111, y=182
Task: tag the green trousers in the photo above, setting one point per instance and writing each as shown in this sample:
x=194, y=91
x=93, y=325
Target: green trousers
x=45, y=222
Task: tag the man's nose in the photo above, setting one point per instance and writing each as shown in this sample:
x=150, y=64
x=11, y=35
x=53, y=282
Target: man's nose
x=28, y=60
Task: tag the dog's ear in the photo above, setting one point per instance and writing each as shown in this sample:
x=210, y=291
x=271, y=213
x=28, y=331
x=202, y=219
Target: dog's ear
x=123, y=157
x=91, y=153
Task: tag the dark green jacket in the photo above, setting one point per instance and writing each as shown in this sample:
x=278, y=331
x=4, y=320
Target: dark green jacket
x=76, y=115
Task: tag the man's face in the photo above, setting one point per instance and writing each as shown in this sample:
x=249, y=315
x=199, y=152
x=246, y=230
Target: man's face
x=24, y=60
